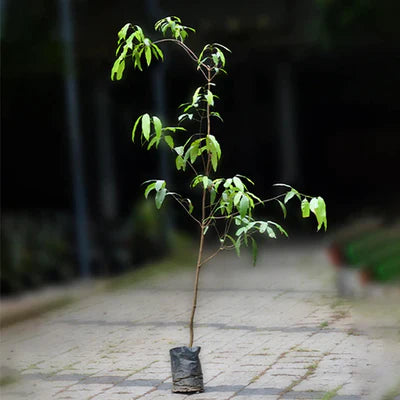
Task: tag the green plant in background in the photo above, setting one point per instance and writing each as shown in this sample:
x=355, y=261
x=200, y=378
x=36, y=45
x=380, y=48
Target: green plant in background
x=226, y=205
x=36, y=250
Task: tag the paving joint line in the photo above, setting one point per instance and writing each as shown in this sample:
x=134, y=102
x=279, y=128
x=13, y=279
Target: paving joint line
x=262, y=373
x=152, y=389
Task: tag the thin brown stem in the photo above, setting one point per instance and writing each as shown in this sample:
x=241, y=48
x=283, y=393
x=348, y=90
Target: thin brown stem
x=208, y=121
x=186, y=209
x=210, y=257
x=189, y=52
x=198, y=266
x=203, y=225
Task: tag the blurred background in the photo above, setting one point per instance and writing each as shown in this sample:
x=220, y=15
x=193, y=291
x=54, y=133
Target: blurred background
x=311, y=99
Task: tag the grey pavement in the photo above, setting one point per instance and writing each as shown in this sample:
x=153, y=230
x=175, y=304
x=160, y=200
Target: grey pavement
x=276, y=331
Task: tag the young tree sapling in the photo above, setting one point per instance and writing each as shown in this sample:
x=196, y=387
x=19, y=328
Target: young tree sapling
x=226, y=204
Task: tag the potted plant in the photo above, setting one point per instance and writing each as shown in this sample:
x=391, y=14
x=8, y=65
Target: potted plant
x=225, y=204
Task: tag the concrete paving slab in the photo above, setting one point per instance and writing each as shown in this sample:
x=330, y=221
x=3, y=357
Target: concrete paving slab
x=273, y=332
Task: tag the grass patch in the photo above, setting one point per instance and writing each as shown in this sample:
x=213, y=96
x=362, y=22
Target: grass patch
x=7, y=380
x=323, y=324
x=310, y=370
x=331, y=394
x=8, y=376
x=303, y=350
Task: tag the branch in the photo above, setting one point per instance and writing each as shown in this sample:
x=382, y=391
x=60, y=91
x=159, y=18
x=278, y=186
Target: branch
x=211, y=256
x=192, y=166
x=189, y=52
x=184, y=207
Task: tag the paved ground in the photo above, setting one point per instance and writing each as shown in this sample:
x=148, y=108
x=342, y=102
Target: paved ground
x=276, y=331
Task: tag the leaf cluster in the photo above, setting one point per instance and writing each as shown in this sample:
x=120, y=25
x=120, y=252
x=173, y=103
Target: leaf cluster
x=226, y=205
x=308, y=203
x=132, y=43
x=174, y=25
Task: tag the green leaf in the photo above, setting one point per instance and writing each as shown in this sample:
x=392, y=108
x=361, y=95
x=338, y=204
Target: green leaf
x=255, y=251
x=119, y=66
x=195, y=97
x=281, y=230
x=205, y=230
x=305, y=208
x=147, y=53
x=190, y=206
x=196, y=180
x=157, y=126
x=318, y=207
x=296, y=193
x=221, y=56
x=213, y=195
x=157, y=51
x=136, y=54
x=149, y=188
x=194, y=151
x=134, y=128
x=271, y=232
x=237, y=247
x=213, y=147
x=123, y=31
x=245, y=177
x=254, y=197
x=205, y=182
x=313, y=204
x=228, y=183
x=159, y=184
x=288, y=196
x=222, y=46
x=209, y=97
x=114, y=68
x=160, y=196
x=216, y=145
x=170, y=141
x=139, y=33
x=215, y=58
x=282, y=184
x=120, y=69
x=216, y=114
x=217, y=182
x=146, y=126
x=180, y=150
x=243, y=206
x=153, y=141
x=214, y=161
x=129, y=41
x=238, y=183
x=322, y=207
x=180, y=162
x=283, y=207
x=183, y=34
x=237, y=198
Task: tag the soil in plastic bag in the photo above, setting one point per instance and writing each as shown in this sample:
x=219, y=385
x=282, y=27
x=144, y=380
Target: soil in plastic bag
x=187, y=376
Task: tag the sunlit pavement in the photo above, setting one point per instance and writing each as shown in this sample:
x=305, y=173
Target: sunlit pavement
x=276, y=331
